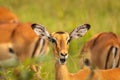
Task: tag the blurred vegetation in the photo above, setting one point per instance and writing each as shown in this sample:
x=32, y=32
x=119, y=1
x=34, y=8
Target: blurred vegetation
x=65, y=15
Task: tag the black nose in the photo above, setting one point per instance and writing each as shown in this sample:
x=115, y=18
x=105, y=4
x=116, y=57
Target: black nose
x=63, y=54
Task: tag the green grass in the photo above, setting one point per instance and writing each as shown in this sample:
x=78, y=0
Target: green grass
x=65, y=15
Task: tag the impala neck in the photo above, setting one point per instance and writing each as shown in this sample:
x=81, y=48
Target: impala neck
x=61, y=71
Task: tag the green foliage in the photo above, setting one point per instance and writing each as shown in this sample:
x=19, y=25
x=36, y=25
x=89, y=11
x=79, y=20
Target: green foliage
x=65, y=15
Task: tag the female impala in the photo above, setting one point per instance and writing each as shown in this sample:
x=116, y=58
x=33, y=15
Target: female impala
x=6, y=16
x=19, y=41
x=102, y=51
x=60, y=41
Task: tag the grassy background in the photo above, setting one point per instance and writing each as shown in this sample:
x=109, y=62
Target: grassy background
x=65, y=15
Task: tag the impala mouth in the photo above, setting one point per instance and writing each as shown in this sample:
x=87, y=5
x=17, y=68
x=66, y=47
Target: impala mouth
x=62, y=60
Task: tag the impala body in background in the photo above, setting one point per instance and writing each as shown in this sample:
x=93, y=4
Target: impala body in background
x=119, y=38
x=6, y=16
x=19, y=42
x=60, y=45
x=102, y=51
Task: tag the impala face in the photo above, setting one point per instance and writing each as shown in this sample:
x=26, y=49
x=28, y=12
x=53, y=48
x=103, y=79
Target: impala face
x=60, y=40
x=60, y=46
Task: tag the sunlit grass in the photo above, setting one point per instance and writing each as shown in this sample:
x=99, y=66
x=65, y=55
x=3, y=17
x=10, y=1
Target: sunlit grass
x=103, y=15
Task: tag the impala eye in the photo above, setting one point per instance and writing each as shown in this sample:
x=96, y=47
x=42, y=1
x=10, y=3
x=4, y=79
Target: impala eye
x=11, y=50
x=53, y=40
x=68, y=41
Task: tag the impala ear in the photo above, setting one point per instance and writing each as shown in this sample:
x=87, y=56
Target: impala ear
x=40, y=30
x=79, y=31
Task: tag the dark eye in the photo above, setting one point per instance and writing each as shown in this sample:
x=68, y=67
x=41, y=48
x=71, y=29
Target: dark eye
x=53, y=40
x=11, y=50
x=68, y=41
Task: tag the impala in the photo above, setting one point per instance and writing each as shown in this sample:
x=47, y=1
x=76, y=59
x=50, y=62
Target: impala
x=19, y=42
x=119, y=38
x=102, y=51
x=60, y=41
x=6, y=16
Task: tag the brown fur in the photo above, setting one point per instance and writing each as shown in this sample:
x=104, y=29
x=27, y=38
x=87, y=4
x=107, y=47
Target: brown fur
x=97, y=49
x=61, y=46
x=22, y=39
x=6, y=16
x=110, y=74
x=60, y=51
x=62, y=72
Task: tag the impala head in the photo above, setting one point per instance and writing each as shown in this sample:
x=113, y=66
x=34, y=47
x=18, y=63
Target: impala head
x=60, y=40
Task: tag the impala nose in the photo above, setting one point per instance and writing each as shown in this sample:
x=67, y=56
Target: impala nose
x=63, y=58
x=63, y=54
